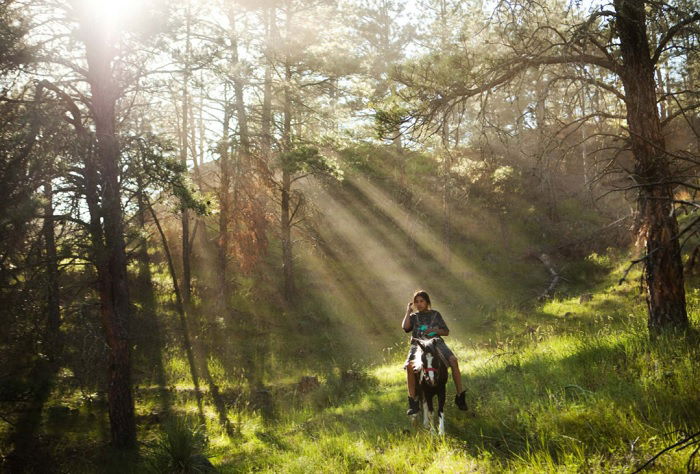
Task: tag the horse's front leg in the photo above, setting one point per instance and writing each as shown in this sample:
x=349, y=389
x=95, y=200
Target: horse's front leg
x=428, y=409
x=441, y=410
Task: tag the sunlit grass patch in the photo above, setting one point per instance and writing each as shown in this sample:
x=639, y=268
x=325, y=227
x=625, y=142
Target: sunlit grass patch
x=177, y=371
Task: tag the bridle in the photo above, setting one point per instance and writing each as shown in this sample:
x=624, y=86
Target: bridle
x=427, y=370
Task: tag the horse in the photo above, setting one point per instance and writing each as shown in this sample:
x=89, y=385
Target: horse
x=431, y=379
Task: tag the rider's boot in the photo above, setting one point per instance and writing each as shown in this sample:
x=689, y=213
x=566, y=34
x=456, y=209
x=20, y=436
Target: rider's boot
x=460, y=400
x=413, y=407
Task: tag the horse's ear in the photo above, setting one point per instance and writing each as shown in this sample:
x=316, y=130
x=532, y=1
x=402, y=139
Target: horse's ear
x=419, y=342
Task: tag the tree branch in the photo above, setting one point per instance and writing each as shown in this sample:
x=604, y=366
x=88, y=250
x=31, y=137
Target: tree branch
x=668, y=448
x=70, y=104
x=671, y=33
x=594, y=82
x=519, y=65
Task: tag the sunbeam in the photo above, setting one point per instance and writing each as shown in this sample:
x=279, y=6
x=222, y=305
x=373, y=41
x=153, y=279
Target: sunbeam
x=383, y=270
x=428, y=238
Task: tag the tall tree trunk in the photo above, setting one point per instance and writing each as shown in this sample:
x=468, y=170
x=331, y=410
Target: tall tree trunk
x=447, y=168
x=53, y=306
x=241, y=115
x=190, y=348
x=243, y=161
x=148, y=300
x=243, y=155
x=182, y=313
x=266, y=113
x=202, y=129
x=112, y=275
x=286, y=227
x=192, y=141
x=23, y=440
x=184, y=143
x=285, y=217
x=658, y=228
x=224, y=200
x=145, y=280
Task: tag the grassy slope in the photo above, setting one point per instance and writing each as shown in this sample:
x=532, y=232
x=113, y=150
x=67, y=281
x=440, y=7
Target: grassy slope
x=568, y=387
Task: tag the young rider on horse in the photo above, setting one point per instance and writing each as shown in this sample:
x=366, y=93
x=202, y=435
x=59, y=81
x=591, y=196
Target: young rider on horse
x=427, y=323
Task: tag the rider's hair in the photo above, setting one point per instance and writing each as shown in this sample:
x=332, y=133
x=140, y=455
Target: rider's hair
x=422, y=294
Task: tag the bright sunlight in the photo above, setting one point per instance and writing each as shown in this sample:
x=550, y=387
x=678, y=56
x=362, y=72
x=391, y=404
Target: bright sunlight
x=110, y=14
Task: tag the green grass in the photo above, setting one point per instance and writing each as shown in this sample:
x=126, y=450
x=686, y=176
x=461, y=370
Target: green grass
x=599, y=405
x=582, y=393
x=566, y=386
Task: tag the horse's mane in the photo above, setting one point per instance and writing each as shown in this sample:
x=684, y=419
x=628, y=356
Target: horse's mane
x=418, y=359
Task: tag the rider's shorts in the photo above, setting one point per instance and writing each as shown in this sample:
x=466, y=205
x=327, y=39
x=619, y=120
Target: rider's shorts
x=443, y=351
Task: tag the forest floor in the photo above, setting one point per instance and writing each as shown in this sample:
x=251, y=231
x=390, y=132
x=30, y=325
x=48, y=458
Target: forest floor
x=574, y=385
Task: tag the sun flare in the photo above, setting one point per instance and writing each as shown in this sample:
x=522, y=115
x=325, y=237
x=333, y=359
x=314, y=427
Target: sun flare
x=110, y=13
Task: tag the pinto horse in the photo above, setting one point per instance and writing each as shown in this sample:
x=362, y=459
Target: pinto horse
x=431, y=378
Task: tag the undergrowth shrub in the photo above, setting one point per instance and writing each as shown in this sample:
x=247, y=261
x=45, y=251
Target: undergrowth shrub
x=181, y=449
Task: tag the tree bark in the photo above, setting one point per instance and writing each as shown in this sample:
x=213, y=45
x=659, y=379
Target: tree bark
x=285, y=216
x=184, y=143
x=182, y=313
x=241, y=114
x=224, y=201
x=446, y=189
x=658, y=228
x=53, y=306
x=266, y=112
x=112, y=274
x=147, y=294
x=145, y=278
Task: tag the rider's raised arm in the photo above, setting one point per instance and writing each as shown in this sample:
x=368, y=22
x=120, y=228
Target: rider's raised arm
x=407, y=323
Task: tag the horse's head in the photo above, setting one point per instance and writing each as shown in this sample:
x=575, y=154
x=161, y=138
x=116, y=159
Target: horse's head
x=426, y=361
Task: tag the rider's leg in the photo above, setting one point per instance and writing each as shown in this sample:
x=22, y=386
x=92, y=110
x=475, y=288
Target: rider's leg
x=413, y=407
x=460, y=398
x=411, y=380
x=456, y=375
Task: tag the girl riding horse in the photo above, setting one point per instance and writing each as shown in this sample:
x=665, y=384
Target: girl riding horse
x=426, y=323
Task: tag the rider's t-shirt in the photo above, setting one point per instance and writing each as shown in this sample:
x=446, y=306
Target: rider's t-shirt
x=421, y=321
